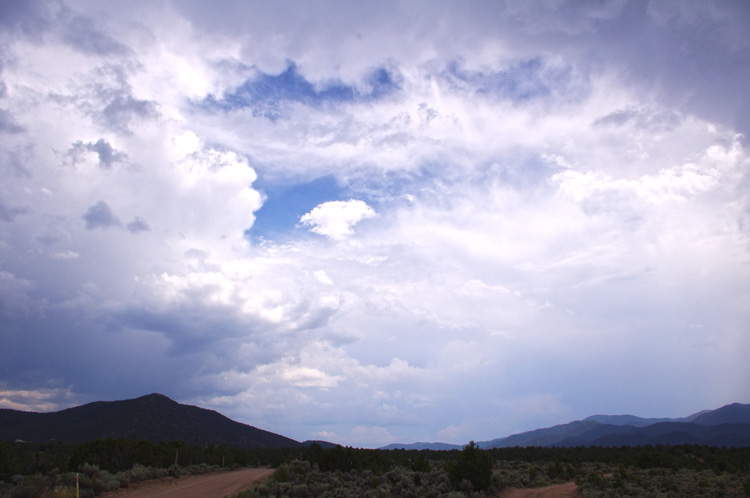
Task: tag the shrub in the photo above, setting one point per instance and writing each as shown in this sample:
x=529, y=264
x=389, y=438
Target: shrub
x=473, y=465
x=248, y=493
x=281, y=474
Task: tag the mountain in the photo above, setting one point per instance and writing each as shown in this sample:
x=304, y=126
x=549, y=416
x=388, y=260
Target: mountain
x=735, y=413
x=627, y=420
x=725, y=426
x=550, y=436
x=730, y=435
x=157, y=418
x=153, y=417
x=422, y=446
x=642, y=422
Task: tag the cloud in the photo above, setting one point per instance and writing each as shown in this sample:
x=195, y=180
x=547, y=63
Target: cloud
x=81, y=33
x=308, y=377
x=41, y=400
x=15, y=292
x=8, y=214
x=656, y=122
x=66, y=255
x=29, y=18
x=323, y=277
x=100, y=216
x=521, y=82
x=138, y=225
x=336, y=219
x=105, y=152
x=107, y=97
x=509, y=197
x=270, y=96
x=8, y=124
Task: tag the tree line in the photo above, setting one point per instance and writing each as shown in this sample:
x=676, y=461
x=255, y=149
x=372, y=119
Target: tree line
x=115, y=455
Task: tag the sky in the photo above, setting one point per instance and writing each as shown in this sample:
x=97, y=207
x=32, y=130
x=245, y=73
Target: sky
x=376, y=222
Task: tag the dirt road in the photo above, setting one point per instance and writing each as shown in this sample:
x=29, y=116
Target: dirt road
x=204, y=486
x=567, y=490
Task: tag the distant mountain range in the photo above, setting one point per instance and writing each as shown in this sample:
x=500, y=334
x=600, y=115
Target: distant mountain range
x=157, y=418
x=726, y=426
x=153, y=417
x=422, y=446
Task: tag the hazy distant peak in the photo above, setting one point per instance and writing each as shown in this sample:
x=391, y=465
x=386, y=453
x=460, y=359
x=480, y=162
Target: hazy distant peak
x=626, y=420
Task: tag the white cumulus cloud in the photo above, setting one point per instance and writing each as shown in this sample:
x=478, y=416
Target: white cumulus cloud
x=336, y=219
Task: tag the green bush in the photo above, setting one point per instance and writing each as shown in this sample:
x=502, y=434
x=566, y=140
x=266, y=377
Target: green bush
x=473, y=465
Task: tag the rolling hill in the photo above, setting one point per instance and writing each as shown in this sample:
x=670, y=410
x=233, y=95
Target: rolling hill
x=153, y=417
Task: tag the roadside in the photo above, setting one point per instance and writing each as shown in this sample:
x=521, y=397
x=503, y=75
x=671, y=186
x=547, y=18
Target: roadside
x=566, y=490
x=200, y=486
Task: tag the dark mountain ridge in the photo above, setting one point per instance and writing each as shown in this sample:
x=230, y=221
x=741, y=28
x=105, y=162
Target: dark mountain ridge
x=153, y=417
x=726, y=426
x=736, y=413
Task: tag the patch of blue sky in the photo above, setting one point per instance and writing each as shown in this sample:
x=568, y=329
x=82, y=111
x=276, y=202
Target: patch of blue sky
x=269, y=95
x=279, y=217
x=285, y=204
x=520, y=82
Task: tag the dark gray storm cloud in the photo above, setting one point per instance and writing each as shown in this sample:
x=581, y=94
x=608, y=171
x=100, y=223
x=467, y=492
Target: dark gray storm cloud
x=100, y=216
x=692, y=55
x=95, y=357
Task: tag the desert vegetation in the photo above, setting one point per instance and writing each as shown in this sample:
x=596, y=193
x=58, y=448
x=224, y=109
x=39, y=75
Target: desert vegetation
x=662, y=471
x=662, y=483
x=48, y=470
x=92, y=480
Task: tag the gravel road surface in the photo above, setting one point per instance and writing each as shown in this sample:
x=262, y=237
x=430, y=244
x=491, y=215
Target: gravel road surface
x=202, y=486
